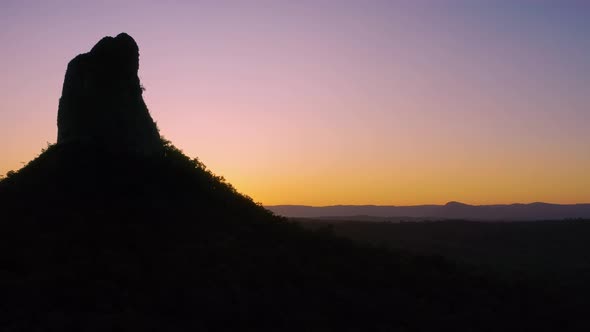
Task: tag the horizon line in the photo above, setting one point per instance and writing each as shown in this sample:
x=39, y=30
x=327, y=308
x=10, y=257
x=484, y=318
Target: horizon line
x=419, y=205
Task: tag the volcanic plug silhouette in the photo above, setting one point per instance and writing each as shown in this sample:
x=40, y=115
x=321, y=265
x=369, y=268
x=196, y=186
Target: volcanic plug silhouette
x=102, y=99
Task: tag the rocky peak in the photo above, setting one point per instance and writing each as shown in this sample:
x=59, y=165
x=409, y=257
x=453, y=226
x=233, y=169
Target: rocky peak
x=102, y=99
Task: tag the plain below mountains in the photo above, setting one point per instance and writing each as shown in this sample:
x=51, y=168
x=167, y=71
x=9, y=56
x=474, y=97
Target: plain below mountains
x=451, y=210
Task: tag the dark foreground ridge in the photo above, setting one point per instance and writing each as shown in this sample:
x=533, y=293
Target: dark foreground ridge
x=96, y=237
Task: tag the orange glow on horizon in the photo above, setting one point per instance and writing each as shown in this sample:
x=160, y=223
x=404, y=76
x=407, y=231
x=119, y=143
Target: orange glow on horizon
x=385, y=103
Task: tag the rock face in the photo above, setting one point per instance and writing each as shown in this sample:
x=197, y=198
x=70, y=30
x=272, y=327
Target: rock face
x=102, y=99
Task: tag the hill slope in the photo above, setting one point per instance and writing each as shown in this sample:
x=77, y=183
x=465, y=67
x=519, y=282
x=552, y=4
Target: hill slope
x=95, y=239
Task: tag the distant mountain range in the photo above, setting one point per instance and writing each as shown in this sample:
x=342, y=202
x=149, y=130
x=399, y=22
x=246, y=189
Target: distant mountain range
x=451, y=210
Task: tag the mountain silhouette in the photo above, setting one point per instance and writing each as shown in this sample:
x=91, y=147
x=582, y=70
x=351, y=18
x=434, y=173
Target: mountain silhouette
x=102, y=99
x=113, y=228
x=451, y=210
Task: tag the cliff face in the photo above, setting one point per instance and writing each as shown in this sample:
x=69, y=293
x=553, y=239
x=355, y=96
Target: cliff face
x=102, y=99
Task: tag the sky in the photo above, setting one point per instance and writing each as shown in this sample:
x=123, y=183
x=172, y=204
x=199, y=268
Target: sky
x=333, y=102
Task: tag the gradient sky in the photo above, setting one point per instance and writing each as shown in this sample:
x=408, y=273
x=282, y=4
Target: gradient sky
x=333, y=102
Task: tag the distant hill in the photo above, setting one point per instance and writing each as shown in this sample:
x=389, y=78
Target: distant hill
x=451, y=210
x=556, y=251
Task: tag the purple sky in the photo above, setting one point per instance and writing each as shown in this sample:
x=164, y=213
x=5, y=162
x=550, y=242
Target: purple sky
x=333, y=102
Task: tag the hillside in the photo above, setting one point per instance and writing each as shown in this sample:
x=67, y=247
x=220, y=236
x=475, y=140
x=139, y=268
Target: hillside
x=93, y=237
